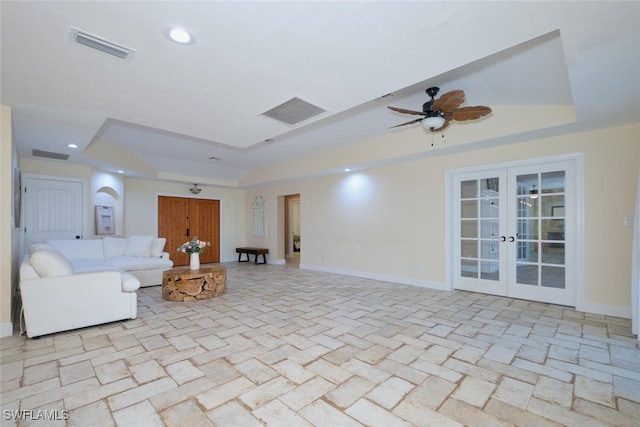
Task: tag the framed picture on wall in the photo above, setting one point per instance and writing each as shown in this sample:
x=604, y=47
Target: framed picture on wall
x=105, y=224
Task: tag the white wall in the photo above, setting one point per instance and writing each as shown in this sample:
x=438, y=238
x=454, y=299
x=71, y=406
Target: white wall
x=107, y=189
x=141, y=210
x=388, y=222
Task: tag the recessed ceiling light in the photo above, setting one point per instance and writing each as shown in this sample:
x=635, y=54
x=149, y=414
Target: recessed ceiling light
x=347, y=170
x=72, y=145
x=180, y=36
x=120, y=171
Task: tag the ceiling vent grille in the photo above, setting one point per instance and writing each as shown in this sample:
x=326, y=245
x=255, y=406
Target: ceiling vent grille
x=86, y=39
x=49, y=154
x=293, y=111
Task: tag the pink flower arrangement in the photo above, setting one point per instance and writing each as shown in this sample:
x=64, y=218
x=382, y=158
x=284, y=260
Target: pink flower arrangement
x=194, y=246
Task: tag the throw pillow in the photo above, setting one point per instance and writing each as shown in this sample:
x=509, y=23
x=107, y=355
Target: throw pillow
x=139, y=246
x=157, y=246
x=49, y=263
x=114, y=247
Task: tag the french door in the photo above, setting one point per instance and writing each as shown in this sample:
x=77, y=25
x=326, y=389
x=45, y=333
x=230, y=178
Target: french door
x=514, y=232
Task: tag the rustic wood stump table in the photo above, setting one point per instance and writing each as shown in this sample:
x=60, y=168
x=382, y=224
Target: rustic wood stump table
x=184, y=284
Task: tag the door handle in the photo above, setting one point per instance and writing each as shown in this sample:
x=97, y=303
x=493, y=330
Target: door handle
x=503, y=239
x=512, y=239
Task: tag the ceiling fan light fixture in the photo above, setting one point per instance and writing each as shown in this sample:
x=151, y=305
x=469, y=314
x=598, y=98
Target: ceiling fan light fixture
x=431, y=123
x=195, y=189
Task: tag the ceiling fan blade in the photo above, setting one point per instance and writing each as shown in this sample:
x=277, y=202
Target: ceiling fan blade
x=402, y=110
x=407, y=123
x=449, y=101
x=469, y=113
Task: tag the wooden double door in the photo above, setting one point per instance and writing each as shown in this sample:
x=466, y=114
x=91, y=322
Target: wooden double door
x=180, y=219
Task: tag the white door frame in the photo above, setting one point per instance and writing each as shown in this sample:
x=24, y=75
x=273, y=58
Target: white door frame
x=578, y=159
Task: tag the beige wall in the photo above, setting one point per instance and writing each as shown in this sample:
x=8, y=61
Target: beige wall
x=141, y=210
x=388, y=222
x=9, y=235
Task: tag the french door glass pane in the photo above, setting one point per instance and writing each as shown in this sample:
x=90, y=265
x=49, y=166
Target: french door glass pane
x=552, y=205
x=553, y=253
x=552, y=182
x=469, y=268
x=527, y=274
x=528, y=229
x=469, y=189
x=468, y=229
x=469, y=249
x=479, y=214
x=553, y=277
x=469, y=208
x=489, y=270
x=540, y=229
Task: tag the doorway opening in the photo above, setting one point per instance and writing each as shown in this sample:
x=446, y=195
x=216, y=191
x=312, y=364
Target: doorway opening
x=293, y=236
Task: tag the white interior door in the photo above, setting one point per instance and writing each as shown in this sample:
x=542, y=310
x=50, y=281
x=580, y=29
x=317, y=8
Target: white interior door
x=481, y=215
x=514, y=232
x=53, y=209
x=542, y=223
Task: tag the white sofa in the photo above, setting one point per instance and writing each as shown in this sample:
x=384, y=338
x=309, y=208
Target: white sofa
x=69, y=284
x=142, y=256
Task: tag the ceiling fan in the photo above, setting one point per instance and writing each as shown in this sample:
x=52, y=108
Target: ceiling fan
x=438, y=113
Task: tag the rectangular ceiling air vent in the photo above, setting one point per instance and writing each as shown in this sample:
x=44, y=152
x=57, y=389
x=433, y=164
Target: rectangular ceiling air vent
x=293, y=111
x=49, y=154
x=103, y=45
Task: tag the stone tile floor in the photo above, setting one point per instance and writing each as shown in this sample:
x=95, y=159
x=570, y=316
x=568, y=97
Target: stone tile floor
x=289, y=347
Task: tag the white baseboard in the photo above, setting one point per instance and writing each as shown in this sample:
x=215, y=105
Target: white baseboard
x=6, y=329
x=606, y=310
x=382, y=277
x=278, y=261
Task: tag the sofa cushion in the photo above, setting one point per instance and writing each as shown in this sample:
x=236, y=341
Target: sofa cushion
x=114, y=246
x=128, y=263
x=78, y=249
x=157, y=246
x=38, y=247
x=49, y=263
x=139, y=246
x=91, y=265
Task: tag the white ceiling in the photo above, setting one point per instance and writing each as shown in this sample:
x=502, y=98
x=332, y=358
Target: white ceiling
x=171, y=108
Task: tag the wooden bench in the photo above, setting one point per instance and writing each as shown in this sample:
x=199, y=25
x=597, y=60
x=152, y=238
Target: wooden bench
x=254, y=251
